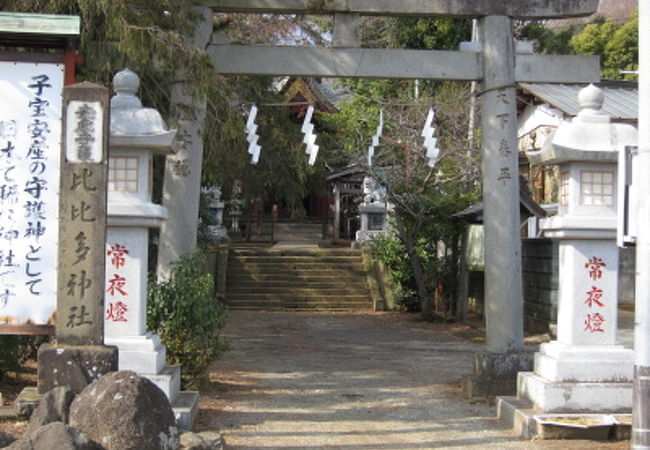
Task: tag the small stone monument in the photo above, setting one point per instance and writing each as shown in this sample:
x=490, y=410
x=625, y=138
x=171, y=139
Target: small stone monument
x=215, y=206
x=373, y=211
x=584, y=370
x=136, y=133
x=235, y=207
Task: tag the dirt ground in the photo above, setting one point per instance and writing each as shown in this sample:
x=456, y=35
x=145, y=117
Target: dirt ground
x=352, y=381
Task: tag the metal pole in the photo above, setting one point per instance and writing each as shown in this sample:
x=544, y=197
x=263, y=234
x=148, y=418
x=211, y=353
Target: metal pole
x=641, y=419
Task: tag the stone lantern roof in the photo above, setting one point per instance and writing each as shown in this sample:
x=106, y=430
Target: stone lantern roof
x=590, y=136
x=133, y=125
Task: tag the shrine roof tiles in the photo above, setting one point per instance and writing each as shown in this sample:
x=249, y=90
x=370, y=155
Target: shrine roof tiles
x=621, y=97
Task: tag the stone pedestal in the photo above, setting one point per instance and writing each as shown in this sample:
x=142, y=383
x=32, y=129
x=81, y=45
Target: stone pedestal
x=373, y=221
x=496, y=373
x=136, y=134
x=584, y=370
x=73, y=366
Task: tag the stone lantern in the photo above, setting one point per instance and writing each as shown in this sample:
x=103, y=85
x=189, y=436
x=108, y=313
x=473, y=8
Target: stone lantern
x=584, y=370
x=136, y=134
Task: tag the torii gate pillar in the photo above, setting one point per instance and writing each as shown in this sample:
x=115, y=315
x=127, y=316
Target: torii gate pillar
x=495, y=370
x=501, y=189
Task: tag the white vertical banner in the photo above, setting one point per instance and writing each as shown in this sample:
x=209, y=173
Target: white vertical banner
x=375, y=138
x=30, y=145
x=252, y=137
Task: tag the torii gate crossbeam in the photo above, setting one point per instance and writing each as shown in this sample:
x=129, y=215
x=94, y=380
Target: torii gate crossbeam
x=386, y=63
x=528, y=9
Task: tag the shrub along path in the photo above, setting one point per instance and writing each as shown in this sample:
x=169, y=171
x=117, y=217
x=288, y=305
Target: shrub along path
x=353, y=381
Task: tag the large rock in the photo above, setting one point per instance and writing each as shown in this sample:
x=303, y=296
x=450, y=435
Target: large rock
x=207, y=440
x=5, y=439
x=124, y=411
x=55, y=435
x=53, y=407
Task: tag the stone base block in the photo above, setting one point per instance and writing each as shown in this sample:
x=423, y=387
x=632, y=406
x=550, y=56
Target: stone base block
x=27, y=401
x=496, y=373
x=186, y=407
x=6, y=412
x=583, y=363
x=531, y=423
x=517, y=414
x=488, y=386
x=581, y=397
x=73, y=366
x=168, y=380
x=501, y=365
x=141, y=354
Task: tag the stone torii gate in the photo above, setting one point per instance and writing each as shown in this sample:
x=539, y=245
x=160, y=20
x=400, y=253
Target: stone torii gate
x=495, y=64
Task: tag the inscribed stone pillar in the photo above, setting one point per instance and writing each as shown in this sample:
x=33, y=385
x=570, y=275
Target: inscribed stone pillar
x=79, y=357
x=503, y=289
x=82, y=220
x=182, y=183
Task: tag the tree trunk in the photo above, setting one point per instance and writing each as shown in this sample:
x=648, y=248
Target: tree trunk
x=426, y=303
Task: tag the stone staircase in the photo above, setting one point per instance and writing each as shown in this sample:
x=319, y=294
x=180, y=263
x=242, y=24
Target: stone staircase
x=299, y=279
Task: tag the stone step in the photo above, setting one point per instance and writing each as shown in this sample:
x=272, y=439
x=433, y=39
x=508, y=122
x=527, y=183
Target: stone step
x=310, y=269
x=305, y=305
x=295, y=297
x=27, y=401
x=185, y=408
x=297, y=280
x=296, y=270
x=306, y=265
x=329, y=259
x=288, y=306
x=293, y=279
x=531, y=423
x=306, y=290
x=168, y=380
x=293, y=253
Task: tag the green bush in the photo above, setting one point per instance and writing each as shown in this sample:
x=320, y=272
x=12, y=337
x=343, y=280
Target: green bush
x=183, y=312
x=10, y=354
x=391, y=251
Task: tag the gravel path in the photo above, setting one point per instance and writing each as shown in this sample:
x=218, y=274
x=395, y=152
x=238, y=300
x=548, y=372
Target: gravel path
x=352, y=381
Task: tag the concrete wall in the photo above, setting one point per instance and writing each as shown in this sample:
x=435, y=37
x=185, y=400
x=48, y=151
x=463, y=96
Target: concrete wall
x=627, y=274
x=540, y=282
